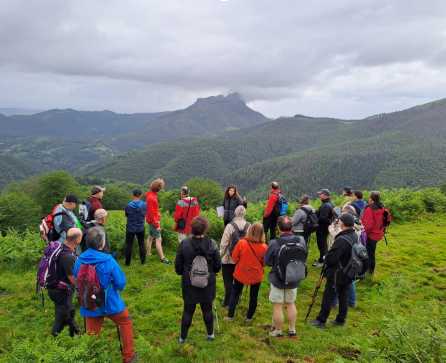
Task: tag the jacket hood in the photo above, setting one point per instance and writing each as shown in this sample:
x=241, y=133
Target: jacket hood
x=377, y=205
x=92, y=256
x=136, y=204
x=358, y=225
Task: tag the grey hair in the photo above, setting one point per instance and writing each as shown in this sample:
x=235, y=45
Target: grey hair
x=240, y=211
x=95, y=237
x=100, y=213
x=349, y=209
x=185, y=190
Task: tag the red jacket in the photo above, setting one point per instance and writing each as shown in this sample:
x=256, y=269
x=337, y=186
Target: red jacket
x=95, y=205
x=153, y=215
x=372, y=220
x=248, y=268
x=271, y=202
x=181, y=211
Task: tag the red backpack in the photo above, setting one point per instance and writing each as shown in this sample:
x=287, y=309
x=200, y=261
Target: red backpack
x=47, y=231
x=91, y=295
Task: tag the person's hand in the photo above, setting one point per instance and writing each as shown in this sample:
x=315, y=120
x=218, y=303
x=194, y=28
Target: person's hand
x=331, y=226
x=323, y=258
x=158, y=229
x=348, y=203
x=244, y=199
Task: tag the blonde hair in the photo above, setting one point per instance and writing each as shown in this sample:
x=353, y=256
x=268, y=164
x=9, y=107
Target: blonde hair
x=256, y=233
x=157, y=185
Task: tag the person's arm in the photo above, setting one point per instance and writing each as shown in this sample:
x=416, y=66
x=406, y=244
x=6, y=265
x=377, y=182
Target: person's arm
x=332, y=257
x=236, y=253
x=179, y=260
x=265, y=248
x=270, y=253
x=126, y=210
x=69, y=268
x=368, y=220
x=178, y=212
x=245, y=202
x=117, y=275
x=270, y=205
x=325, y=214
x=226, y=240
x=298, y=214
x=216, y=259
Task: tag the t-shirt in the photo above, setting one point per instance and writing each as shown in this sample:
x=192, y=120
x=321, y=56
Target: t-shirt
x=65, y=266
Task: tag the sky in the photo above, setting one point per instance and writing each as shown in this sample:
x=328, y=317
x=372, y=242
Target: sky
x=347, y=59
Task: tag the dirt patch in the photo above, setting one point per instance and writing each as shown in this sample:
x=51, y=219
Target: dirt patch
x=308, y=359
x=267, y=341
x=265, y=327
x=349, y=353
x=395, y=273
x=289, y=360
x=440, y=287
x=375, y=332
x=385, y=254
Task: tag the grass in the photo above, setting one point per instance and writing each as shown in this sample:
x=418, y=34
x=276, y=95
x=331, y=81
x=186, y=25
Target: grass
x=400, y=315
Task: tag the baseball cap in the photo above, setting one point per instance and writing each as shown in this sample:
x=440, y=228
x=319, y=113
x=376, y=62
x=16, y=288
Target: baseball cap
x=97, y=189
x=324, y=191
x=347, y=188
x=137, y=192
x=348, y=219
x=71, y=198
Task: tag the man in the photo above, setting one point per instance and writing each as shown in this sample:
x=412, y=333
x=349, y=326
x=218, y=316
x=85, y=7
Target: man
x=100, y=216
x=186, y=208
x=281, y=292
x=228, y=265
x=96, y=195
x=324, y=216
x=374, y=223
x=340, y=253
x=63, y=299
x=62, y=223
x=270, y=218
x=153, y=218
x=135, y=212
x=358, y=203
x=111, y=279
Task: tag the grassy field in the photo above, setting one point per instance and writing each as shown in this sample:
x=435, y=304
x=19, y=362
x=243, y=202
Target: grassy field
x=400, y=317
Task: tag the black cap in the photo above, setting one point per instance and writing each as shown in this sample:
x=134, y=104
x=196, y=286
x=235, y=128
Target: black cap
x=137, y=192
x=97, y=189
x=348, y=220
x=71, y=198
x=347, y=188
x=324, y=191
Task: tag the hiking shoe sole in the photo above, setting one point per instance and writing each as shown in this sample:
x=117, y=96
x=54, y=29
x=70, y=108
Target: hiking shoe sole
x=275, y=334
x=167, y=262
x=337, y=323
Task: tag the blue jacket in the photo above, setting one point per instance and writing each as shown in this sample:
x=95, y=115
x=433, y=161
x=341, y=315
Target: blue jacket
x=360, y=204
x=135, y=213
x=110, y=277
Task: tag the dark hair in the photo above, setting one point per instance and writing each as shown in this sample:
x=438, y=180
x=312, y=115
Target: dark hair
x=358, y=194
x=235, y=196
x=285, y=223
x=304, y=200
x=95, y=237
x=185, y=191
x=157, y=185
x=375, y=196
x=274, y=185
x=199, y=225
x=256, y=233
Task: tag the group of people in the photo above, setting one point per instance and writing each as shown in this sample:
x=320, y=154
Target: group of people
x=242, y=255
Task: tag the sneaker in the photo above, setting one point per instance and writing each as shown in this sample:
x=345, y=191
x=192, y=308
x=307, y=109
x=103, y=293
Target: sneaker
x=143, y=263
x=292, y=333
x=223, y=304
x=337, y=323
x=126, y=265
x=316, y=260
x=318, y=264
x=352, y=306
x=166, y=261
x=134, y=359
x=228, y=319
x=248, y=320
x=181, y=341
x=210, y=338
x=317, y=324
x=276, y=333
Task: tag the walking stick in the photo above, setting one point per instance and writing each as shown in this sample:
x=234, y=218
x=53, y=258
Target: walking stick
x=119, y=337
x=321, y=276
x=216, y=318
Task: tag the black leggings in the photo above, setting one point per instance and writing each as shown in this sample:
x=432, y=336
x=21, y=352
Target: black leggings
x=237, y=290
x=188, y=314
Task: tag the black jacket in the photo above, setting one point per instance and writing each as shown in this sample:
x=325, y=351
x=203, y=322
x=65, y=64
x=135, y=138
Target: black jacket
x=229, y=205
x=325, y=214
x=340, y=252
x=86, y=227
x=188, y=249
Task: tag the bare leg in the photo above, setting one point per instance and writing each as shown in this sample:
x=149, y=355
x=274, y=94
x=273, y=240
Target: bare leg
x=278, y=316
x=159, y=248
x=149, y=245
x=291, y=312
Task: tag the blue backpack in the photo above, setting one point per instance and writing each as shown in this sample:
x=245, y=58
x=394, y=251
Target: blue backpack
x=281, y=205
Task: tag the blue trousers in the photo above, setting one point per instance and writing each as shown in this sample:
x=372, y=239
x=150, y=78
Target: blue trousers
x=351, y=296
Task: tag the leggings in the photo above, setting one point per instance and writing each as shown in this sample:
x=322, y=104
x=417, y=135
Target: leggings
x=188, y=314
x=237, y=290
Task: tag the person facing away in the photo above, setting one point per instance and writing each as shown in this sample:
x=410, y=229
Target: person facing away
x=97, y=193
x=324, y=216
x=112, y=280
x=189, y=248
x=249, y=256
x=347, y=191
x=153, y=218
x=300, y=217
x=67, y=220
x=281, y=292
x=63, y=298
x=186, y=208
x=269, y=217
x=340, y=253
x=231, y=201
x=135, y=212
x=228, y=264
x=100, y=216
x=358, y=203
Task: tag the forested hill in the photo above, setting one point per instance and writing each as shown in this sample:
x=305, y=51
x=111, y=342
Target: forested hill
x=14, y=169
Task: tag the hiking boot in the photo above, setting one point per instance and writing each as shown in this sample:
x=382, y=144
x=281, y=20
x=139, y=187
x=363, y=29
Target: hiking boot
x=223, y=304
x=276, y=333
x=210, y=338
x=292, y=333
x=166, y=261
x=337, y=323
x=181, y=341
x=318, y=264
x=228, y=319
x=248, y=320
x=144, y=263
x=134, y=359
x=352, y=306
x=317, y=324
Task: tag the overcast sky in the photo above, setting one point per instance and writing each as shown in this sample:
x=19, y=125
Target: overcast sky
x=345, y=58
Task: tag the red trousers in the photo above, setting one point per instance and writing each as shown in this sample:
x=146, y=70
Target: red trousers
x=124, y=321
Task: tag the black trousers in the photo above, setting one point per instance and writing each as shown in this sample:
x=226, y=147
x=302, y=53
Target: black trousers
x=129, y=239
x=237, y=291
x=328, y=298
x=305, y=236
x=270, y=224
x=371, y=250
x=227, y=270
x=321, y=238
x=63, y=311
x=188, y=314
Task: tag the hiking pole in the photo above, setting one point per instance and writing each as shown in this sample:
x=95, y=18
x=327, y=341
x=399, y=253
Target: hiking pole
x=321, y=276
x=385, y=239
x=85, y=325
x=119, y=337
x=216, y=317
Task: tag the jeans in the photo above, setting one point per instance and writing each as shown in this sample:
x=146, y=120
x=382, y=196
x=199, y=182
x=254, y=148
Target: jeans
x=227, y=270
x=321, y=237
x=129, y=239
x=371, y=250
x=327, y=302
x=270, y=224
x=351, y=296
x=237, y=291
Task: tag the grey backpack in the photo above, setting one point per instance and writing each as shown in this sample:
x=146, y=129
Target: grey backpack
x=199, y=272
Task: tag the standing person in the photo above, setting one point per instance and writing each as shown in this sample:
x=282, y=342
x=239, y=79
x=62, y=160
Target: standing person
x=376, y=217
x=358, y=203
x=186, y=208
x=112, y=280
x=63, y=299
x=300, y=217
x=197, y=245
x=228, y=239
x=340, y=253
x=231, y=201
x=100, y=216
x=347, y=192
x=249, y=256
x=280, y=291
x=97, y=194
x=135, y=212
x=65, y=218
x=153, y=218
x=270, y=217
x=324, y=216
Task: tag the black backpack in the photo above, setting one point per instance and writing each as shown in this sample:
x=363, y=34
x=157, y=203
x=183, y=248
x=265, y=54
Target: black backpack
x=237, y=235
x=359, y=261
x=311, y=223
x=290, y=265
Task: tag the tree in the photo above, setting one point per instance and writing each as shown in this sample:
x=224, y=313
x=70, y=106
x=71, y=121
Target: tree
x=208, y=192
x=18, y=211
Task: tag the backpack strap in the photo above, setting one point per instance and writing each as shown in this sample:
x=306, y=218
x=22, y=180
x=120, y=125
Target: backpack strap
x=249, y=244
x=349, y=240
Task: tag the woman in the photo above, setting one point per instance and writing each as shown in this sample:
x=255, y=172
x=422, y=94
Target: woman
x=300, y=217
x=249, y=256
x=348, y=192
x=231, y=201
x=188, y=249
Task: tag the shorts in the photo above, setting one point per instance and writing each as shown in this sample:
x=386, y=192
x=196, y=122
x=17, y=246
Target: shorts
x=153, y=232
x=279, y=295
